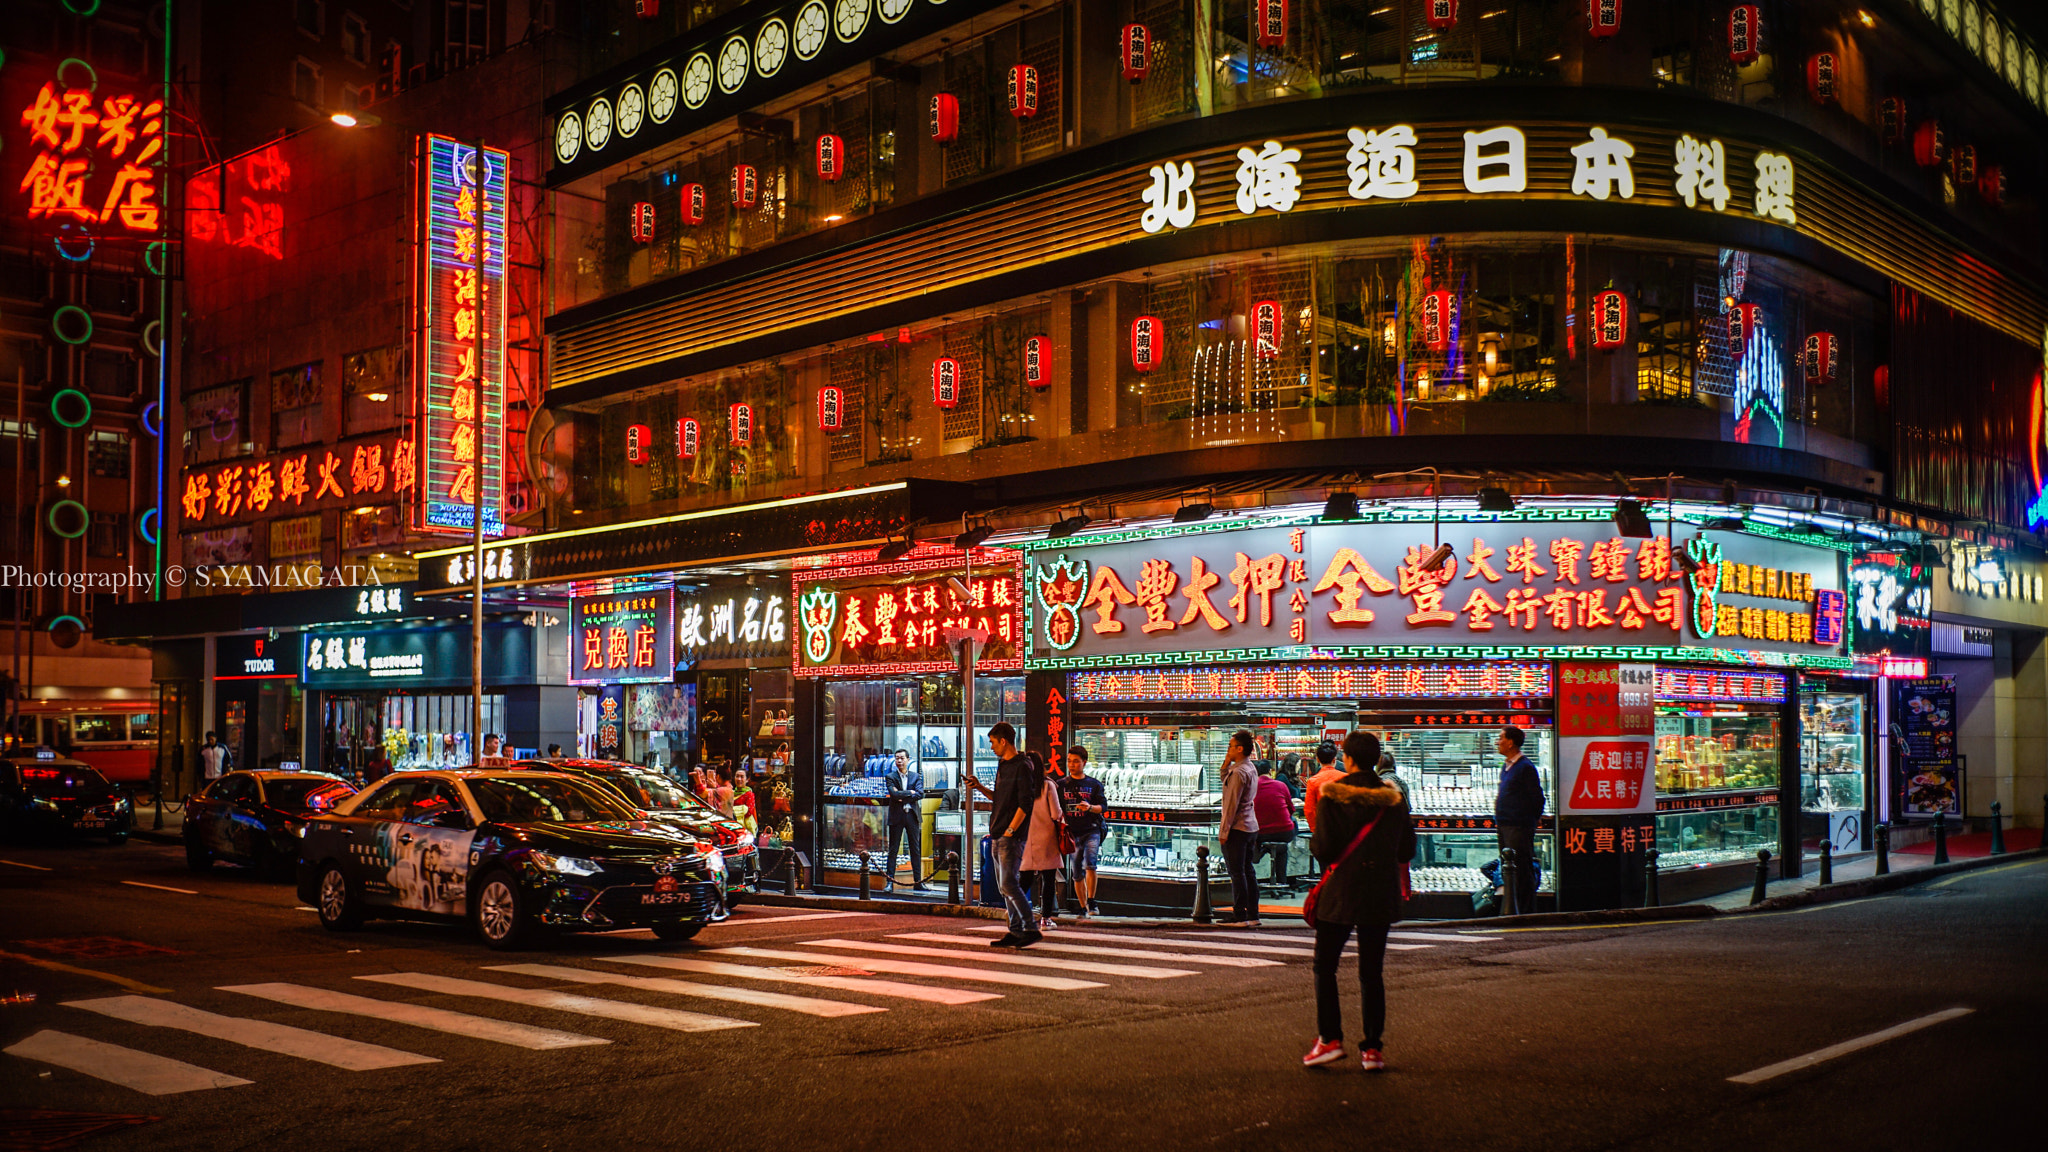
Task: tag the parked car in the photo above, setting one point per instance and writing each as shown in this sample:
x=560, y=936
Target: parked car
x=254, y=818
x=520, y=854
x=671, y=803
x=51, y=794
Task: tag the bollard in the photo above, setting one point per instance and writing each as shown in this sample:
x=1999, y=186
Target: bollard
x=1763, y=876
x=1510, y=902
x=953, y=878
x=1940, y=839
x=1203, y=914
x=789, y=872
x=1650, y=896
x=865, y=864
x=1884, y=849
x=1827, y=862
x=1997, y=830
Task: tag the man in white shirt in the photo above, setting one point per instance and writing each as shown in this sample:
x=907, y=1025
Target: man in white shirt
x=213, y=758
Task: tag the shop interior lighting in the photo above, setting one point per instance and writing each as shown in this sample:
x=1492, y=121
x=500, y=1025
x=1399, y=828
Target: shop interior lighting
x=1494, y=498
x=1194, y=513
x=1341, y=506
x=973, y=537
x=1630, y=520
x=1061, y=529
x=896, y=549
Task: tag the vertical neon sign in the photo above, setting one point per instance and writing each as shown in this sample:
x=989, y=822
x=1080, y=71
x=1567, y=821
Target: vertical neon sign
x=460, y=309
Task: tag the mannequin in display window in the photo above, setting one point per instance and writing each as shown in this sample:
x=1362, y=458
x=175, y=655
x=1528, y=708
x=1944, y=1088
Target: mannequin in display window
x=906, y=816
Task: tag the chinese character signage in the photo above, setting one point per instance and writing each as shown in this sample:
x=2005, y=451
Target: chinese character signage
x=894, y=621
x=1928, y=777
x=462, y=333
x=1604, y=716
x=1326, y=681
x=433, y=656
x=1712, y=687
x=1347, y=589
x=732, y=622
x=621, y=638
x=348, y=474
x=90, y=162
x=1891, y=596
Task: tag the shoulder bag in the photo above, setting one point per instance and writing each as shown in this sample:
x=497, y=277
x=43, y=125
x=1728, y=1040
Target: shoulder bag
x=1308, y=906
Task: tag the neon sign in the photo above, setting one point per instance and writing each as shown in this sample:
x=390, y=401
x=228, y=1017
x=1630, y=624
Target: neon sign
x=1490, y=680
x=625, y=637
x=462, y=333
x=94, y=160
x=346, y=473
x=893, y=619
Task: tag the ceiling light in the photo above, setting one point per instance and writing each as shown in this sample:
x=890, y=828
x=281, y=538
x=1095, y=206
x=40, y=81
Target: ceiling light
x=1630, y=521
x=895, y=549
x=1061, y=529
x=1443, y=555
x=1193, y=513
x=1341, y=506
x=1494, y=498
x=973, y=537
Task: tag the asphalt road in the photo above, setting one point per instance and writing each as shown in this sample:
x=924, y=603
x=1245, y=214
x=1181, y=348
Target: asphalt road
x=1553, y=1039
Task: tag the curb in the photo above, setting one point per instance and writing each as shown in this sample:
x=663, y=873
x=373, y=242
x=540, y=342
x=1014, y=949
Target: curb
x=1873, y=885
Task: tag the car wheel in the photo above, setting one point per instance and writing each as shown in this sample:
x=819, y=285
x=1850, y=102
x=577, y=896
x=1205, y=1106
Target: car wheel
x=196, y=858
x=678, y=931
x=341, y=906
x=500, y=913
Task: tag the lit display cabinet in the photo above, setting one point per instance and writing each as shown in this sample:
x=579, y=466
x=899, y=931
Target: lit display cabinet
x=1717, y=764
x=1447, y=764
x=1834, y=788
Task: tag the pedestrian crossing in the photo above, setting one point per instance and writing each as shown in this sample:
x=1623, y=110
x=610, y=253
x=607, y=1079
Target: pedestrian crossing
x=705, y=990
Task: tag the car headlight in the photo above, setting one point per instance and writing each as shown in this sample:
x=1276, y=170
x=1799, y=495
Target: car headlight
x=566, y=865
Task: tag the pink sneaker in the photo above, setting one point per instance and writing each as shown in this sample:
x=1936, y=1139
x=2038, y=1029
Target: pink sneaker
x=1374, y=1060
x=1323, y=1053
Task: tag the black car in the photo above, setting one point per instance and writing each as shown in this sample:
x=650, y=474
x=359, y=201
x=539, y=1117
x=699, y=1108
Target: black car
x=672, y=804
x=47, y=793
x=520, y=854
x=253, y=818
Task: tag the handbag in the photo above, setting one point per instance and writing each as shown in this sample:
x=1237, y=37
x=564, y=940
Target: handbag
x=1308, y=906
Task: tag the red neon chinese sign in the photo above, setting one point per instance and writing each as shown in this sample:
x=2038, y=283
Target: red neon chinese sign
x=893, y=619
x=348, y=473
x=94, y=160
x=1330, y=681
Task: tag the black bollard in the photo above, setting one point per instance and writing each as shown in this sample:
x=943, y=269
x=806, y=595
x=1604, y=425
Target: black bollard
x=1651, y=898
x=789, y=872
x=1763, y=876
x=1884, y=849
x=953, y=878
x=1510, y=899
x=1997, y=830
x=865, y=864
x=1203, y=914
x=1827, y=862
x=1940, y=838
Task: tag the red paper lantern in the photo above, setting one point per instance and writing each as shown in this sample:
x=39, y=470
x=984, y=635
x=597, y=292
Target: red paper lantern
x=686, y=438
x=1743, y=322
x=1023, y=91
x=831, y=156
x=1272, y=23
x=1439, y=318
x=1442, y=14
x=740, y=424
x=1991, y=185
x=1266, y=325
x=643, y=222
x=830, y=407
x=1745, y=33
x=1147, y=336
x=746, y=186
x=1892, y=119
x=1135, y=48
x=693, y=204
x=946, y=383
x=1930, y=147
x=639, y=442
x=1963, y=164
x=647, y=9
x=945, y=118
x=1610, y=319
x=1038, y=361
x=1603, y=18
x=1820, y=77
x=1822, y=356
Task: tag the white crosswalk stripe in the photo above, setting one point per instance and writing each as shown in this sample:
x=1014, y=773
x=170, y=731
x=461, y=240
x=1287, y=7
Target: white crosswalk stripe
x=914, y=968
x=142, y=1071
x=352, y=1055
x=1179, y=941
x=419, y=1016
x=1079, y=948
x=1308, y=941
x=808, y=1005
x=1446, y=937
x=1007, y=956
x=670, y=1018
x=892, y=988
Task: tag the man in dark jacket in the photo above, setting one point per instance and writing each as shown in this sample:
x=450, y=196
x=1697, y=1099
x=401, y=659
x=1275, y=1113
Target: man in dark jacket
x=1516, y=809
x=1362, y=891
x=906, y=815
x=1017, y=785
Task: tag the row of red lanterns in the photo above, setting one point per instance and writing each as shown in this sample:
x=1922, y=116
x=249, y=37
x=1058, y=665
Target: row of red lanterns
x=689, y=434
x=1931, y=149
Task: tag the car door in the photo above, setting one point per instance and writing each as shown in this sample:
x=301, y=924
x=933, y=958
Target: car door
x=372, y=828
x=432, y=842
x=224, y=833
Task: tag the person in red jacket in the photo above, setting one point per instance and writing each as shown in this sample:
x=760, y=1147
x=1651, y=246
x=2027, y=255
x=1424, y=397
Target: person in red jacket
x=1273, y=803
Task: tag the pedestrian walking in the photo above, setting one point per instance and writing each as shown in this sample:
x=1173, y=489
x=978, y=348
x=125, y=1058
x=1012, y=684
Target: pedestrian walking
x=1365, y=833
x=1327, y=769
x=1016, y=787
x=213, y=758
x=1042, y=856
x=1274, y=805
x=1238, y=830
x=1085, y=802
x=1516, y=809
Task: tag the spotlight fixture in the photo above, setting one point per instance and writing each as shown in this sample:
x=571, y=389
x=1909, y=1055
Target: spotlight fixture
x=896, y=549
x=1194, y=513
x=1494, y=498
x=973, y=537
x=1988, y=570
x=1443, y=555
x=1061, y=529
x=1341, y=506
x=1630, y=520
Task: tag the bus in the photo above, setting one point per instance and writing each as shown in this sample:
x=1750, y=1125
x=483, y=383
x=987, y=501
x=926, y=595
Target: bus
x=119, y=741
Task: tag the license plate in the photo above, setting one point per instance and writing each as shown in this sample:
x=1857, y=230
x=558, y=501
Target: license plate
x=90, y=824
x=664, y=898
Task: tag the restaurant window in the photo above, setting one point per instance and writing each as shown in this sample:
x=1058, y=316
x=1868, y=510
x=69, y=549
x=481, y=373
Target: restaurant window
x=1169, y=86
x=295, y=406
x=217, y=423
x=310, y=16
x=1044, y=49
x=106, y=453
x=372, y=527
x=850, y=372
x=107, y=535
x=371, y=381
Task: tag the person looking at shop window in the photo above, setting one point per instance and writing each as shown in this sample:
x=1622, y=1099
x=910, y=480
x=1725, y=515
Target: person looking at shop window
x=1365, y=832
x=1238, y=829
x=1274, y=806
x=905, y=797
x=1516, y=809
x=1083, y=797
x=1016, y=787
x=1289, y=774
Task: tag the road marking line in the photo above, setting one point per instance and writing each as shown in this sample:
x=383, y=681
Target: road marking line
x=1635, y=924
x=744, y=918
x=1061, y=945
x=901, y=991
x=1847, y=1046
x=31, y=867
x=914, y=968
x=563, y=1002
x=109, y=977
x=808, y=1005
x=1274, y=936
x=303, y=908
x=1007, y=956
x=1182, y=940
x=1981, y=872
x=160, y=888
x=418, y=1015
x=142, y=1071
x=1449, y=937
x=352, y=1055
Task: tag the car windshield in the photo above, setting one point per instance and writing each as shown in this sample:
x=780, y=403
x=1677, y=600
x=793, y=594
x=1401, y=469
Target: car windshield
x=529, y=799
x=656, y=793
x=310, y=793
x=47, y=779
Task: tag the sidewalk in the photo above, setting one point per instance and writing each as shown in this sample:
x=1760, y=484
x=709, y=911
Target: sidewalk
x=173, y=831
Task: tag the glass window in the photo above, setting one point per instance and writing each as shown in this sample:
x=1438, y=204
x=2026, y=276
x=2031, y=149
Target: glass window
x=91, y=727
x=306, y=82
x=305, y=792
x=142, y=726
x=217, y=423
x=435, y=804
x=372, y=381
x=389, y=798
x=1831, y=752
x=295, y=406
x=106, y=453
x=534, y=799
x=355, y=38
x=234, y=786
x=310, y=16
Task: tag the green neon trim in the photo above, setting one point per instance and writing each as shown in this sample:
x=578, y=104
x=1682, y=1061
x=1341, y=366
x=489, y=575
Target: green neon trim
x=681, y=517
x=57, y=323
x=89, y=69
x=82, y=399
x=84, y=518
x=1678, y=655
x=155, y=257
x=92, y=6
x=56, y=620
